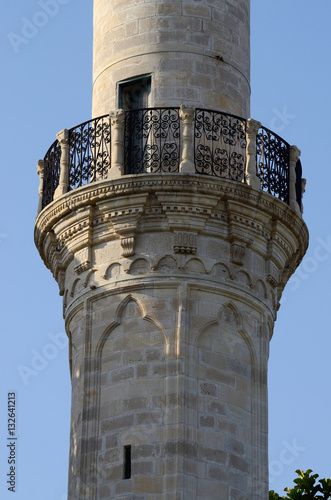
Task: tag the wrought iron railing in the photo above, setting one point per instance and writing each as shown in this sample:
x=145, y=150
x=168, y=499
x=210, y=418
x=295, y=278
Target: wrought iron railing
x=89, y=157
x=152, y=143
x=220, y=144
x=89, y=146
x=273, y=160
x=298, y=184
x=152, y=140
x=51, y=172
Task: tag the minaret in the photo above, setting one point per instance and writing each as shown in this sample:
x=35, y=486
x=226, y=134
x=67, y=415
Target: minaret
x=171, y=222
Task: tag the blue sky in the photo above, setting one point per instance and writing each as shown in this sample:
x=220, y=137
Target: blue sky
x=45, y=87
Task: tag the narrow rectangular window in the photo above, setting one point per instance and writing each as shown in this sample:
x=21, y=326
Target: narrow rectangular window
x=127, y=462
x=135, y=93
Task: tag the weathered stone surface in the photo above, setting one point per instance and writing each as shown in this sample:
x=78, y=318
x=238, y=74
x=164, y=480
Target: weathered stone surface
x=163, y=39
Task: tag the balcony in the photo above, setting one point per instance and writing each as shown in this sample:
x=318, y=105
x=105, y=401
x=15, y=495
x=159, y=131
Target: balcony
x=171, y=140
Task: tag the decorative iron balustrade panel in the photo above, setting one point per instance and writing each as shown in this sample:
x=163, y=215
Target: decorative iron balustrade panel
x=220, y=144
x=152, y=144
x=152, y=140
x=51, y=172
x=90, y=147
x=273, y=163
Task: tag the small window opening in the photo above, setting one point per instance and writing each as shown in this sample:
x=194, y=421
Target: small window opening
x=127, y=462
x=134, y=93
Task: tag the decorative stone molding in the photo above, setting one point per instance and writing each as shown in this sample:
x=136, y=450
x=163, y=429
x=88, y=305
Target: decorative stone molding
x=63, y=187
x=61, y=281
x=237, y=253
x=187, y=117
x=117, y=119
x=127, y=245
x=181, y=205
x=185, y=242
x=83, y=259
x=294, y=157
x=118, y=212
x=40, y=172
x=252, y=128
x=272, y=274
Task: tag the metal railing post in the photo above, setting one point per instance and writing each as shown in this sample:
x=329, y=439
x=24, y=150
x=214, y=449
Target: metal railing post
x=186, y=116
x=117, y=121
x=63, y=187
x=294, y=157
x=252, y=128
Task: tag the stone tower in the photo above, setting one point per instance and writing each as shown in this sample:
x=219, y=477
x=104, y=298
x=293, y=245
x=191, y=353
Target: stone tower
x=171, y=222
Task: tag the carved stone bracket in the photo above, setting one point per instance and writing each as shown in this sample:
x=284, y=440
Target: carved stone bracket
x=83, y=259
x=237, y=253
x=272, y=274
x=185, y=242
x=61, y=281
x=127, y=244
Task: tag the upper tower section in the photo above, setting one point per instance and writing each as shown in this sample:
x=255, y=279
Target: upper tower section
x=170, y=53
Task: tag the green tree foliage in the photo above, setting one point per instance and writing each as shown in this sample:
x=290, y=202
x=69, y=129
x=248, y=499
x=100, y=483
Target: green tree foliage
x=306, y=488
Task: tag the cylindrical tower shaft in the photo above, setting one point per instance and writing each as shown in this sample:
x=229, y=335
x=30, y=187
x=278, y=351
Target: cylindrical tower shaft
x=175, y=52
x=171, y=278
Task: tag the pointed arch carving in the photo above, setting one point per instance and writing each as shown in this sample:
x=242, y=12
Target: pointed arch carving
x=120, y=371
x=112, y=271
x=229, y=316
x=261, y=289
x=244, y=278
x=118, y=318
x=74, y=287
x=89, y=275
x=228, y=312
x=140, y=266
x=225, y=383
x=167, y=264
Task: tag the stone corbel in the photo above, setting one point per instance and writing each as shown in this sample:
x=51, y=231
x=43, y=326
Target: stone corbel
x=63, y=187
x=294, y=158
x=127, y=244
x=117, y=120
x=61, y=281
x=186, y=116
x=83, y=260
x=126, y=227
x=185, y=242
x=252, y=128
x=272, y=273
x=40, y=172
x=238, y=251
